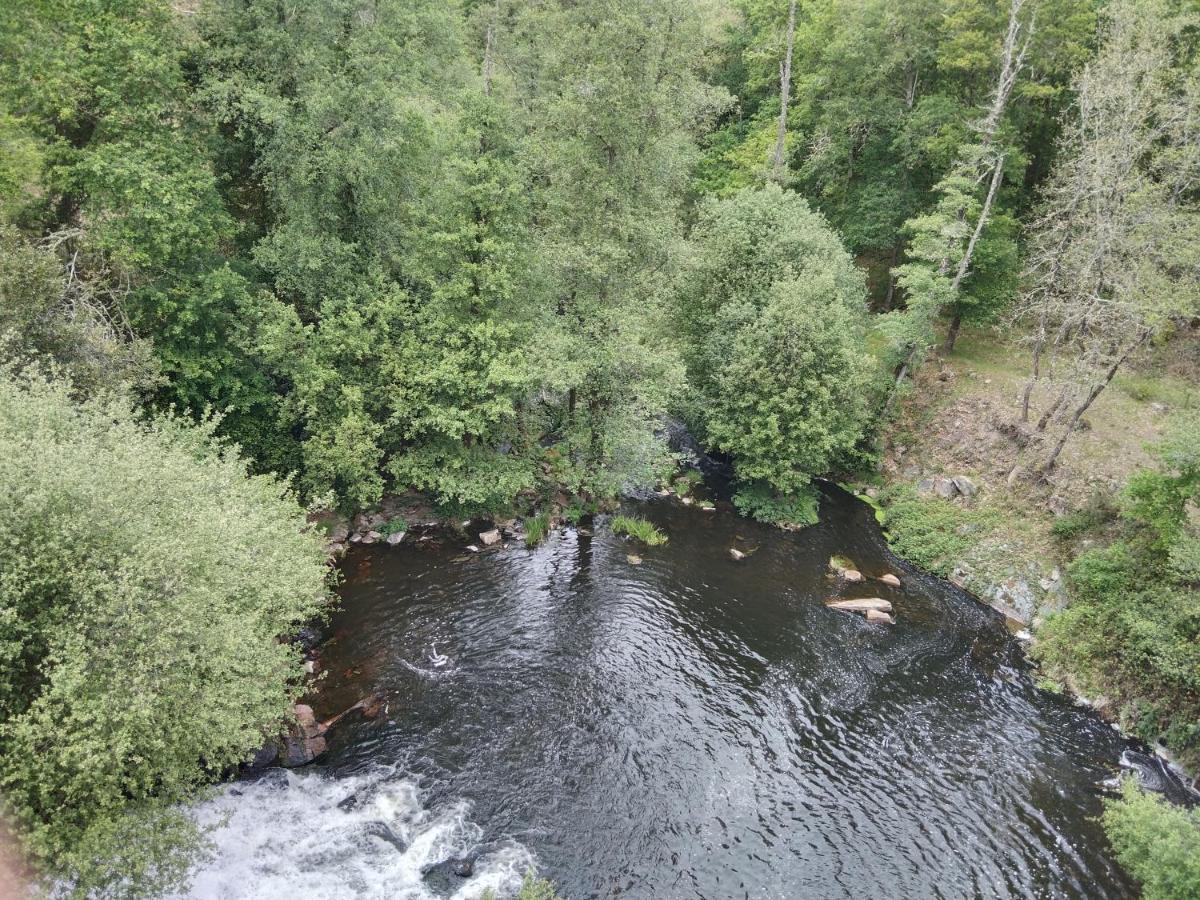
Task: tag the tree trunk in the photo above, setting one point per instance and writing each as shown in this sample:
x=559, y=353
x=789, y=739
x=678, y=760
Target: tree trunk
x=1095, y=392
x=1054, y=408
x=778, y=162
x=952, y=334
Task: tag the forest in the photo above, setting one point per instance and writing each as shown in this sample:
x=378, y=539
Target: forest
x=261, y=259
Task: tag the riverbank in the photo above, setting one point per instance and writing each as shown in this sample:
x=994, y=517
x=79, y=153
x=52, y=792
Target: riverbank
x=1010, y=539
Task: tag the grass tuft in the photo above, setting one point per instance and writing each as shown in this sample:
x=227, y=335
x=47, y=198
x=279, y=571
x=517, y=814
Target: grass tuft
x=639, y=529
x=536, y=529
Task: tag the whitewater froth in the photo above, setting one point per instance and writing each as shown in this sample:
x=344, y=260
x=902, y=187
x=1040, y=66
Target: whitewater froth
x=370, y=835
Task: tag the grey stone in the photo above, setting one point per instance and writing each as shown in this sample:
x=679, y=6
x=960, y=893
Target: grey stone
x=488, y=538
x=396, y=537
x=945, y=488
x=965, y=486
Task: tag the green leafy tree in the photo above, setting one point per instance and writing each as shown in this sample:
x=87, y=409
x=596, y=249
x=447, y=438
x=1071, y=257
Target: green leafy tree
x=1159, y=844
x=771, y=311
x=145, y=580
x=614, y=100
x=791, y=400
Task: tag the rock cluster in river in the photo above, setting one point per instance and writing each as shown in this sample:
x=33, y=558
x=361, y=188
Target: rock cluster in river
x=876, y=609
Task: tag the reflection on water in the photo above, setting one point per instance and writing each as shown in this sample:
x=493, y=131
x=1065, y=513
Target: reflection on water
x=689, y=727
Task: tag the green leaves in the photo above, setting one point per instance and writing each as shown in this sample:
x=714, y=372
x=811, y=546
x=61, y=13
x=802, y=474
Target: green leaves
x=145, y=581
x=771, y=307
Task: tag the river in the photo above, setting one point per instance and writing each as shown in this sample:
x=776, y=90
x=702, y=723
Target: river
x=690, y=727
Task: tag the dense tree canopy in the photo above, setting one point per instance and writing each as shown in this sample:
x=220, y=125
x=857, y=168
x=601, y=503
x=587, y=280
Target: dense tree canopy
x=483, y=250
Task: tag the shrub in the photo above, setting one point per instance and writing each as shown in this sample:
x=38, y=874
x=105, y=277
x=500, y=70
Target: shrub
x=638, y=529
x=1157, y=843
x=144, y=580
x=795, y=510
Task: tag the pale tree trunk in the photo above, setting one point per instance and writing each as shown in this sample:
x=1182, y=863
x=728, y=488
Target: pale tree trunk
x=1096, y=391
x=964, y=265
x=489, y=50
x=778, y=158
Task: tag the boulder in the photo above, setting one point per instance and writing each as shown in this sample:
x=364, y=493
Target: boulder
x=488, y=538
x=891, y=579
x=945, y=488
x=861, y=604
x=736, y=555
x=925, y=486
x=395, y=537
x=878, y=615
x=263, y=756
x=337, y=548
x=304, y=714
x=965, y=486
x=356, y=538
x=853, y=576
x=300, y=751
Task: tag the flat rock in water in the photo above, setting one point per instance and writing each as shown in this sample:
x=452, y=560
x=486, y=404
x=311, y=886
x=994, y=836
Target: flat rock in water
x=861, y=604
x=875, y=615
x=852, y=575
x=891, y=579
x=487, y=538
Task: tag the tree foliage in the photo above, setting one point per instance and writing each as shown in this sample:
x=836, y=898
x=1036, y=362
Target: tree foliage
x=772, y=311
x=145, y=580
x=1158, y=844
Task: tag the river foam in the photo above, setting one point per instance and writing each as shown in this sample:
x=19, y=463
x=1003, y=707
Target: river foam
x=367, y=835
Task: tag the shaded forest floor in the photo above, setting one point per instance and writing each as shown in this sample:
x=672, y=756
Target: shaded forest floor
x=962, y=418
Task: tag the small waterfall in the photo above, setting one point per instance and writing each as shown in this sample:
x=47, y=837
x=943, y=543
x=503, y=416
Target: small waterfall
x=369, y=835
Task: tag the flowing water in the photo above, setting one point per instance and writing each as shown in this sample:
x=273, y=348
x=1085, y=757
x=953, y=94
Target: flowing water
x=689, y=727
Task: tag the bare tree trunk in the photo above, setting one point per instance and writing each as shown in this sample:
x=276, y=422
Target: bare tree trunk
x=1097, y=389
x=1054, y=408
x=488, y=50
x=1036, y=372
x=778, y=163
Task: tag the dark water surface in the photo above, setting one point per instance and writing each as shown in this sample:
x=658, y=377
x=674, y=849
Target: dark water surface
x=688, y=727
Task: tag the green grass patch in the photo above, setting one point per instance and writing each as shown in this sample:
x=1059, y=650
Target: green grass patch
x=933, y=533
x=639, y=529
x=536, y=529
x=395, y=526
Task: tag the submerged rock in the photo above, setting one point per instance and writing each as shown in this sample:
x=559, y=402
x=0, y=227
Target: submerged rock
x=736, y=555
x=861, y=604
x=633, y=559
